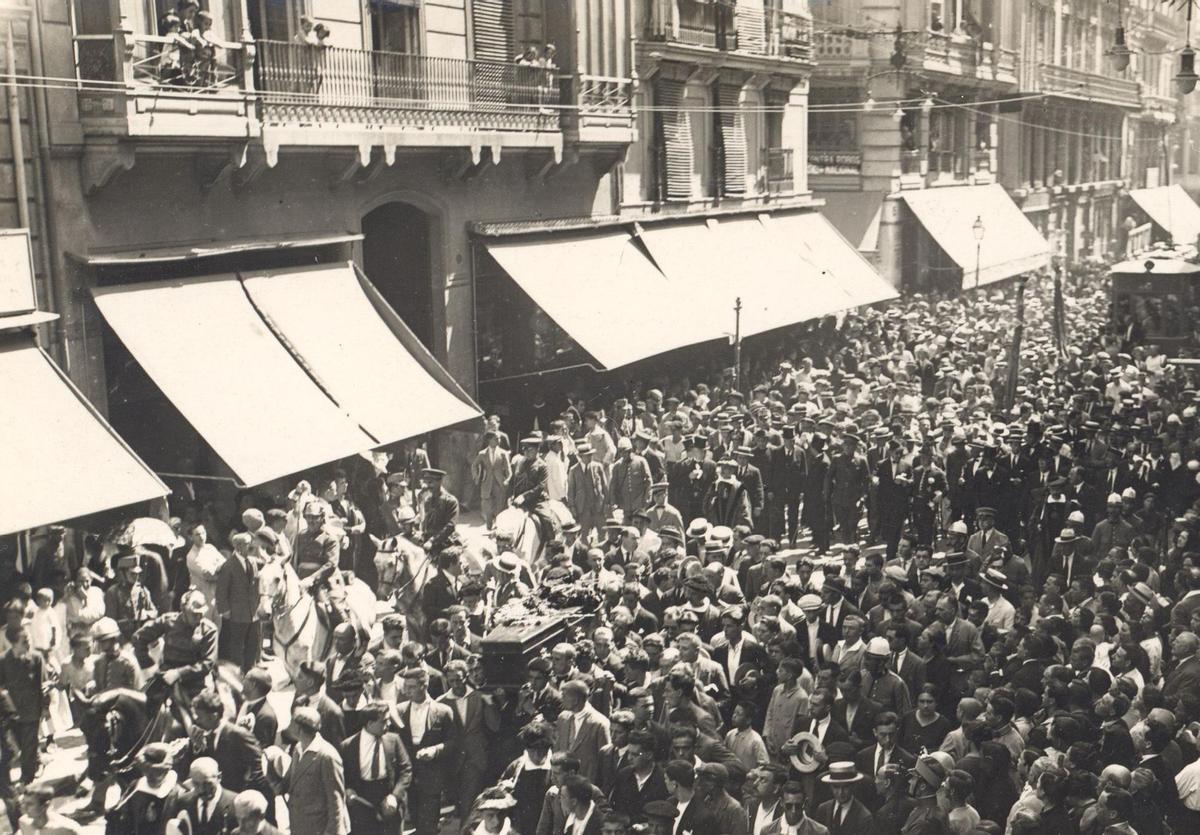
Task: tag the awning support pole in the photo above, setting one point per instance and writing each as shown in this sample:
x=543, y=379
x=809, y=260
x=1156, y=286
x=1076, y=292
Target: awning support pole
x=737, y=344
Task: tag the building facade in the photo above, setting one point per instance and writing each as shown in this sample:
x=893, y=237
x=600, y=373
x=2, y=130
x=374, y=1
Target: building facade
x=410, y=122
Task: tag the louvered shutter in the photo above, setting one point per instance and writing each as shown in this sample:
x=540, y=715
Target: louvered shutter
x=750, y=23
x=733, y=139
x=677, y=139
x=492, y=30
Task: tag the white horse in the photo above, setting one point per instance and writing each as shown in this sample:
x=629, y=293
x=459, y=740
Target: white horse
x=300, y=633
x=517, y=530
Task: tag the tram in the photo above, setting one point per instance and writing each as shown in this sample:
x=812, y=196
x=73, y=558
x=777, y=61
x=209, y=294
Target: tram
x=1156, y=300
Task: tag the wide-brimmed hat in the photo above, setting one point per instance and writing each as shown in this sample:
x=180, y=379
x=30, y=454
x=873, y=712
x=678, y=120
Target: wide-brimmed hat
x=499, y=803
x=104, y=629
x=995, y=577
x=805, y=760
x=1066, y=535
x=155, y=756
x=841, y=773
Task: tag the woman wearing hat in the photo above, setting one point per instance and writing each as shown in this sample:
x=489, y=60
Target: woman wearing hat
x=492, y=814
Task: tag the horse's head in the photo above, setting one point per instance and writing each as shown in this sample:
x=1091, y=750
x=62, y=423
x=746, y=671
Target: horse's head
x=387, y=569
x=272, y=588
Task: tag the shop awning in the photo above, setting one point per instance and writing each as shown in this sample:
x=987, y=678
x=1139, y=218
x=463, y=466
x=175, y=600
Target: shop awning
x=61, y=459
x=1011, y=245
x=832, y=257
x=786, y=268
x=1172, y=209
x=213, y=356
x=855, y=214
x=685, y=292
x=377, y=370
x=190, y=250
x=574, y=277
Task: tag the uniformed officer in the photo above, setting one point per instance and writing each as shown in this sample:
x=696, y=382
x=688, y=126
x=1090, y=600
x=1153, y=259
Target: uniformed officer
x=439, y=512
x=189, y=644
x=848, y=480
x=128, y=601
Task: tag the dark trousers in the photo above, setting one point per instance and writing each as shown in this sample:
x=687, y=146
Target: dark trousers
x=239, y=643
x=26, y=734
x=791, y=506
x=425, y=806
x=471, y=782
x=848, y=517
x=365, y=814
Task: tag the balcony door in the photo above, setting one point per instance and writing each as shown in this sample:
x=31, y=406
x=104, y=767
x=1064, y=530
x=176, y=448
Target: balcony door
x=396, y=26
x=274, y=20
x=397, y=257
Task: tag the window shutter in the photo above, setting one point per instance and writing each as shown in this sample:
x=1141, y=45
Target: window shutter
x=733, y=139
x=750, y=23
x=492, y=28
x=677, y=139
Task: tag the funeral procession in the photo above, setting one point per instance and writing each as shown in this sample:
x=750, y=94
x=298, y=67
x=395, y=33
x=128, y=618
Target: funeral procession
x=599, y=417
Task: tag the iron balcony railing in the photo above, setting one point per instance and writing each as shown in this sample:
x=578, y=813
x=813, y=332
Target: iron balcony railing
x=730, y=26
x=364, y=85
x=163, y=63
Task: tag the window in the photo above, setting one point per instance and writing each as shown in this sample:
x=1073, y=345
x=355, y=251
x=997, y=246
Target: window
x=396, y=28
x=832, y=130
x=274, y=20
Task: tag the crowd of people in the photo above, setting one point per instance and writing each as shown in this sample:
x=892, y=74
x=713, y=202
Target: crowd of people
x=869, y=594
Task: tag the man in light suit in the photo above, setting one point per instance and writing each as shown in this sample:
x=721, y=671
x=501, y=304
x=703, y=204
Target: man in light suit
x=428, y=732
x=581, y=730
x=491, y=471
x=315, y=783
x=378, y=773
x=964, y=645
x=987, y=542
x=476, y=719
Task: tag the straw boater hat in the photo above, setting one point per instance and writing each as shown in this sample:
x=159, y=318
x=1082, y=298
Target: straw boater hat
x=995, y=577
x=841, y=773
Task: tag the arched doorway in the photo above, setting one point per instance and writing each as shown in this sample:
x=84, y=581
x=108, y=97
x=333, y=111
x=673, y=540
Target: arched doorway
x=397, y=258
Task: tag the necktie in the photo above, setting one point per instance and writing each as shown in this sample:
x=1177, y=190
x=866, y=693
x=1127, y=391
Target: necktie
x=377, y=760
x=896, y=661
x=842, y=815
x=203, y=810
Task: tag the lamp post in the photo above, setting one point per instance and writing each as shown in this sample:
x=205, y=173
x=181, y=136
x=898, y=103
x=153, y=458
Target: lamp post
x=978, y=230
x=1186, y=79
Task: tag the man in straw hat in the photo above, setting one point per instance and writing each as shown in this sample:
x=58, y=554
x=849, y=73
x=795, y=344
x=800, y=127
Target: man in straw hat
x=844, y=814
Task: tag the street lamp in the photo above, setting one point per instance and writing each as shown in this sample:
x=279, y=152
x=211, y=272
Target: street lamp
x=1120, y=51
x=1187, y=59
x=978, y=230
x=1187, y=70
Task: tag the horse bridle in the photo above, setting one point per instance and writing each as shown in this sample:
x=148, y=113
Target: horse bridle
x=279, y=609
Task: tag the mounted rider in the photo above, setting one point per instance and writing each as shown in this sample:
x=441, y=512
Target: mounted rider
x=189, y=645
x=439, y=513
x=528, y=487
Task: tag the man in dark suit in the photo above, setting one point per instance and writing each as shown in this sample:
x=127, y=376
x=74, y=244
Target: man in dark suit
x=309, y=680
x=854, y=711
x=428, y=733
x=476, y=719
x=1185, y=677
x=584, y=816
x=347, y=670
x=237, y=753
x=237, y=603
x=22, y=675
x=378, y=773
x=845, y=814
x=681, y=783
x=641, y=782
x=751, y=478
x=884, y=752
x=208, y=807
x=256, y=714
x=766, y=807
x=904, y=662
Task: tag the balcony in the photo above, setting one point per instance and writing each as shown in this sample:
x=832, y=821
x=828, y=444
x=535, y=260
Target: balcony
x=1159, y=108
x=780, y=172
x=145, y=86
x=602, y=112
x=744, y=31
x=355, y=97
x=963, y=56
x=1067, y=83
